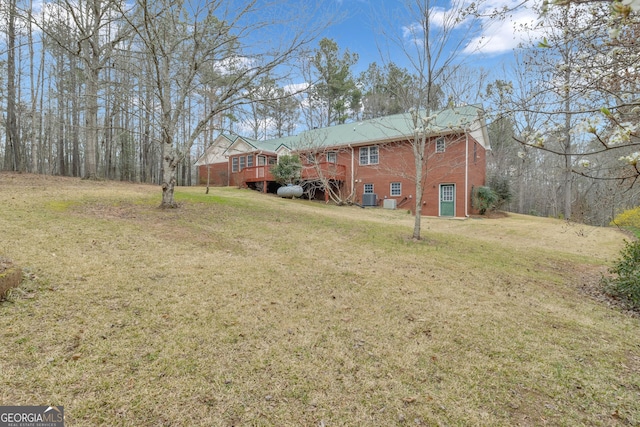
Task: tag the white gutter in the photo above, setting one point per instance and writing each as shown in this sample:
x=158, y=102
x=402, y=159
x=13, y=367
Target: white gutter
x=353, y=184
x=228, y=171
x=466, y=175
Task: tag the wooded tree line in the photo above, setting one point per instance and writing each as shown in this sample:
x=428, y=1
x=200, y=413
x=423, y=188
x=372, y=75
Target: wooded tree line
x=134, y=91
x=572, y=104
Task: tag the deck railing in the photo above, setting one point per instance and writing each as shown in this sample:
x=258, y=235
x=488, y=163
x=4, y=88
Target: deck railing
x=328, y=170
x=257, y=173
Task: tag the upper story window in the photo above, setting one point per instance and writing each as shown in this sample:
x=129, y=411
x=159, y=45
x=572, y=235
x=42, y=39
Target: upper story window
x=369, y=155
x=440, y=145
x=249, y=160
x=332, y=157
x=262, y=160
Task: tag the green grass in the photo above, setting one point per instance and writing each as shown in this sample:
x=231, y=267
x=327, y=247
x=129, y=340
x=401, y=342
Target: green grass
x=240, y=308
x=635, y=231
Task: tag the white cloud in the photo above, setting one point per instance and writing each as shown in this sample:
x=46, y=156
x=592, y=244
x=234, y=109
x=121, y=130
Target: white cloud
x=505, y=33
x=499, y=31
x=296, y=87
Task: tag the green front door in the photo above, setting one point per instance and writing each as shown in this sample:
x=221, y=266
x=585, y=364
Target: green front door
x=447, y=200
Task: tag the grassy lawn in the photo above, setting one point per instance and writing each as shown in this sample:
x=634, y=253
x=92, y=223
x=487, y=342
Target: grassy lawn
x=244, y=309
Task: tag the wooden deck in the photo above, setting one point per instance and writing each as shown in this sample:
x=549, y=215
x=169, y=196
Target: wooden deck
x=257, y=174
x=330, y=171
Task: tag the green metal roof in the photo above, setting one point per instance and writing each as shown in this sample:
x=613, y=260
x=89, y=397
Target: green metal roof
x=388, y=128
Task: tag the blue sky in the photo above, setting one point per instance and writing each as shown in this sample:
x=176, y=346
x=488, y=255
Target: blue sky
x=357, y=31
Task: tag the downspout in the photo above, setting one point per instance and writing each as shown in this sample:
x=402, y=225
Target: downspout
x=466, y=174
x=353, y=185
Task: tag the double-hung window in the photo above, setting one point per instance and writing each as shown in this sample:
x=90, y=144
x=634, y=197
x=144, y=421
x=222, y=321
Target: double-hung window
x=332, y=157
x=234, y=164
x=243, y=162
x=440, y=145
x=249, y=160
x=369, y=155
x=396, y=189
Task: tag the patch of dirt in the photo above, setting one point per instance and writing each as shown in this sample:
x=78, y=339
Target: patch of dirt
x=492, y=215
x=5, y=264
x=590, y=284
x=10, y=276
x=104, y=211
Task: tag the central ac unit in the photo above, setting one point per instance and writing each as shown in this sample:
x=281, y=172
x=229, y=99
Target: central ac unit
x=369, y=199
x=389, y=204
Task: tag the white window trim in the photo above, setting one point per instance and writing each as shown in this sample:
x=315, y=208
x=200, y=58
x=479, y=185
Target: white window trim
x=368, y=151
x=399, y=193
x=440, y=142
x=364, y=190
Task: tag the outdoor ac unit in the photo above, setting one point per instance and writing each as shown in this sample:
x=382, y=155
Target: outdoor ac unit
x=369, y=199
x=389, y=204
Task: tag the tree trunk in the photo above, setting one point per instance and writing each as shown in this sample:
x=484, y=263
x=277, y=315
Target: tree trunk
x=567, y=175
x=90, y=160
x=169, y=166
x=419, y=144
x=169, y=163
x=12, y=159
x=62, y=169
x=75, y=123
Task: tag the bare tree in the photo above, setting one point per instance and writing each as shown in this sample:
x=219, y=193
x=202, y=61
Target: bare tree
x=13, y=159
x=321, y=171
x=434, y=42
x=97, y=28
x=582, y=85
x=220, y=45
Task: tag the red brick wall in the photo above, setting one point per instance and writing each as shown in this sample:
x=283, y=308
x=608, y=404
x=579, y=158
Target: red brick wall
x=396, y=164
x=218, y=174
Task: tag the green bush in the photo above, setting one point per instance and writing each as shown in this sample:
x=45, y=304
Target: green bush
x=500, y=185
x=287, y=170
x=484, y=199
x=626, y=283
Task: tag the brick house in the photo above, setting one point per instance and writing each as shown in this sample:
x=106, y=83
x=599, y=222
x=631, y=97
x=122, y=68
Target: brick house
x=212, y=165
x=372, y=162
